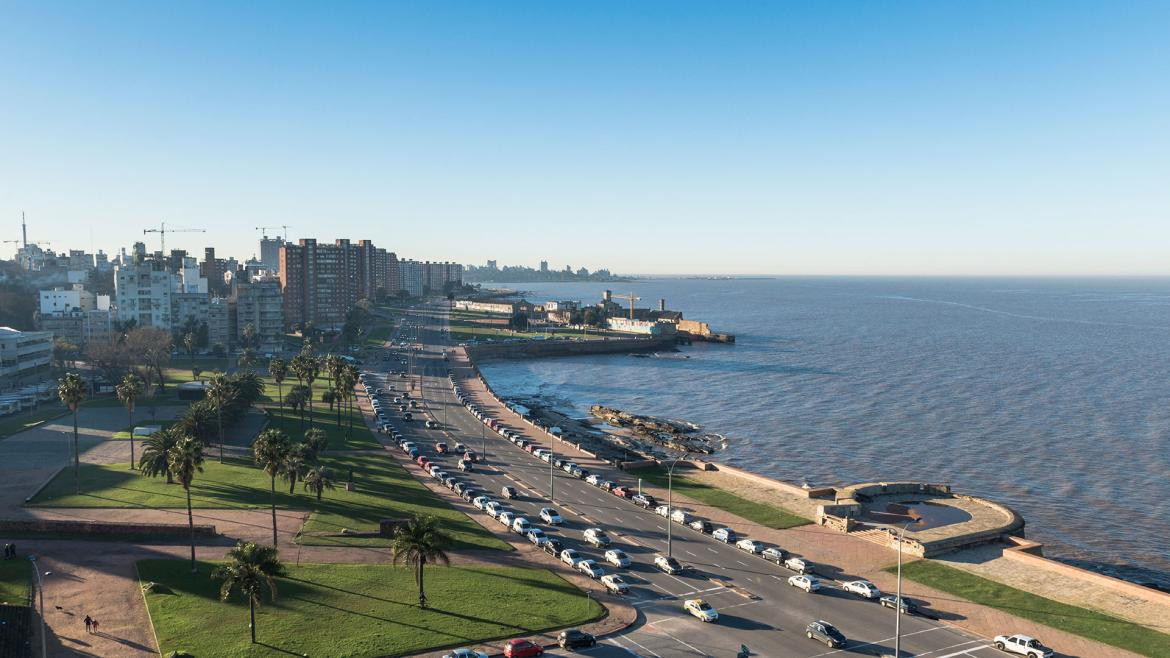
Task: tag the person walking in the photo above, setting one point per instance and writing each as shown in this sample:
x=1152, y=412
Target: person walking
x=88, y=624
x=95, y=626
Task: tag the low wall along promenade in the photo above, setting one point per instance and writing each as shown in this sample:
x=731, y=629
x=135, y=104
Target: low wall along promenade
x=536, y=349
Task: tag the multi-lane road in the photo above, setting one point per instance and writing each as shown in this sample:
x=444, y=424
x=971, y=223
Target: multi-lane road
x=756, y=605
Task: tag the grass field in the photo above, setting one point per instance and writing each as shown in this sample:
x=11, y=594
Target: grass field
x=359, y=610
x=1080, y=621
x=765, y=515
x=124, y=433
x=383, y=490
x=26, y=419
x=378, y=335
x=15, y=580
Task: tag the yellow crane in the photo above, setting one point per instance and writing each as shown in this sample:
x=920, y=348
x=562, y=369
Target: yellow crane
x=633, y=298
x=162, y=231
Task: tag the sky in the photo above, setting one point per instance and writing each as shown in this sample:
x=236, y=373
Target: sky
x=870, y=138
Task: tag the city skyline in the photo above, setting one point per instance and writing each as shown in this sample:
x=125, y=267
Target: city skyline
x=910, y=140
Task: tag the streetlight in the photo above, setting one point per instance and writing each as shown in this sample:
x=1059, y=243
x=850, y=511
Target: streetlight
x=898, y=602
x=41, y=594
x=669, y=498
x=552, y=458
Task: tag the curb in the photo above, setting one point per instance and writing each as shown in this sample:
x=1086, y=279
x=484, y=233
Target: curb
x=44, y=484
x=153, y=632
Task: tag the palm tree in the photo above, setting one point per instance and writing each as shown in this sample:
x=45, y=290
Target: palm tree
x=249, y=336
x=296, y=401
x=128, y=392
x=250, y=569
x=247, y=358
x=317, y=480
x=270, y=449
x=315, y=443
x=311, y=367
x=189, y=345
x=219, y=393
x=156, y=451
x=184, y=460
x=278, y=368
x=349, y=378
x=294, y=465
x=329, y=396
x=419, y=541
x=72, y=390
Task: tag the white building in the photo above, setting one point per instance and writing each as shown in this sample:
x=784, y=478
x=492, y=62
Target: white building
x=412, y=273
x=22, y=352
x=626, y=325
x=60, y=300
x=143, y=294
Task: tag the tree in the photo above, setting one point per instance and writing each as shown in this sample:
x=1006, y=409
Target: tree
x=329, y=396
x=189, y=342
x=270, y=449
x=317, y=480
x=249, y=569
x=153, y=349
x=219, y=393
x=278, y=368
x=128, y=391
x=184, y=460
x=297, y=397
x=518, y=321
x=306, y=366
x=293, y=466
x=64, y=352
x=315, y=443
x=72, y=390
x=349, y=379
x=248, y=358
x=417, y=542
x=249, y=336
x=156, y=449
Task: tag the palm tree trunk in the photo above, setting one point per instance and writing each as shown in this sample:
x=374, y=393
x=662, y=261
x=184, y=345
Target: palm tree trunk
x=274, y=510
x=280, y=403
x=310, y=404
x=219, y=414
x=422, y=596
x=191, y=526
x=252, y=617
x=76, y=455
x=132, y=437
x=339, y=413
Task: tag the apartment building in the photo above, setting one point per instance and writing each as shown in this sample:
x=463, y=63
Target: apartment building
x=21, y=353
x=142, y=293
x=411, y=277
x=259, y=302
x=322, y=282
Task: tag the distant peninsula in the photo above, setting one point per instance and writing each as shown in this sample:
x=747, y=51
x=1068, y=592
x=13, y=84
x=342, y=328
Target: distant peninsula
x=522, y=274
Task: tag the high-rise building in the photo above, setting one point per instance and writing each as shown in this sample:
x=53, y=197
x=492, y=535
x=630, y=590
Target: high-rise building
x=411, y=277
x=491, y=265
x=259, y=303
x=322, y=282
x=219, y=324
x=213, y=269
x=270, y=252
x=543, y=266
x=437, y=276
x=142, y=294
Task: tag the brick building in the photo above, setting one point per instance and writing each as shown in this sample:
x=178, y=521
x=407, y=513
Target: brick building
x=322, y=282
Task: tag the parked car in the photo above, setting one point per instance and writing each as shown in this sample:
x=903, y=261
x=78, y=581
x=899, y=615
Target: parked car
x=799, y=565
x=823, y=631
x=536, y=536
x=807, y=583
x=645, y=501
x=522, y=649
x=550, y=516
x=862, y=588
x=597, y=537
x=430, y=424
x=750, y=545
x=908, y=606
x=521, y=525
x=617, y=557
x=553, y=546
x=680, y=516
x=464, y=653
x=667, y=564
x=725, y=535
x=615, y=584
x=593, y=479
x=506, y=518
x=469, y=493
x=493, y=508
x=701, y=609
x=1023, y=645
x=662, y=510
x=623, y=491
x=575, y=639
x=590, y=568
x=774, y=554
x=481, y=502
x=465, y=466
x=460, y=448
x=702, y=525
x=571, y=557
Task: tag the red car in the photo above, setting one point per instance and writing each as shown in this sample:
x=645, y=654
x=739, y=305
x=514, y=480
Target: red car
x=624, y=492
x=441, y=448
x=471, y=456
x=522, y=649
x=531, y=447
x=422, y=461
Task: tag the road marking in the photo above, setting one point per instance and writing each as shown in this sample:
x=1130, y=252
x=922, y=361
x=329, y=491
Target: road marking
x=741, y=563
x=853, y=647
x=726, y=607
x=613, y=641
x=689, y=553
x=711, y=549
x=641, y=647
x=966, y=652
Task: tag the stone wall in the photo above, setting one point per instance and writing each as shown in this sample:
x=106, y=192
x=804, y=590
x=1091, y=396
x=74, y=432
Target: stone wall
x=144, y=530
x=535, y=349
x=1032, y=554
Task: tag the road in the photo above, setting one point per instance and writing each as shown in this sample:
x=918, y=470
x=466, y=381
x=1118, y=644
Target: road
x=756, y=606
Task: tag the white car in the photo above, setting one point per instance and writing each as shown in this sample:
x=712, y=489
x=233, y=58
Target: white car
x=725, y=535
x=773, y=554
x=571, y=557
x=750, y=545
x=615, y=584
x=521, y=525
x=597, y=537
x=550, y=516
x=799, y=565
x=568, y=467
x=617, y=557
x=593, y=479
x=1023, y=645
x=701, y=609
x=667, y=564
x=464, y=653
x=493, y=508
x=680, y=516
x=862, y=588
x=590, y=568
x=480, y=502
x=536, y=536
x=662, y=510
x=806, y=583
x=506, y=518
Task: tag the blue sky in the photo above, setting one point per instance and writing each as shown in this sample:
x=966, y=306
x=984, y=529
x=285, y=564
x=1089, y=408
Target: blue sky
x=803, y=138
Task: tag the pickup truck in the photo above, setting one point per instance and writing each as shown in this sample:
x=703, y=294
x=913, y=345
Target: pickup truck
x=1023, y=645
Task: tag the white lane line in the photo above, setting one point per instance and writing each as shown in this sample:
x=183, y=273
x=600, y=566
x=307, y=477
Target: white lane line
x=689, y=553
x=692, y=648
x=966, y=652
x=941, y=649
x=716, y=565
x=711, y=549
x=727, y=607
x=635, y=642
x=741, y=563
x=853, y=647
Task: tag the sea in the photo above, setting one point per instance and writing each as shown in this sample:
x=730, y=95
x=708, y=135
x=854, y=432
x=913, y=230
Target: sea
x=1050, y=395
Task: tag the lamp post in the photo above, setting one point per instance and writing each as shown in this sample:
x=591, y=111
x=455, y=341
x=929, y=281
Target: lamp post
x=669, y=498
x=41, y=595
x=898, y=602
x=552, y=458
x=483, y=438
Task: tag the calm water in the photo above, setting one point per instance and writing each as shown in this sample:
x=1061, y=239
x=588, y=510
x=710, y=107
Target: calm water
x=1049, y=395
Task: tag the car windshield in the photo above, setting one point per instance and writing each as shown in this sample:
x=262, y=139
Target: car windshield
x=703, y=605
x=831, y=630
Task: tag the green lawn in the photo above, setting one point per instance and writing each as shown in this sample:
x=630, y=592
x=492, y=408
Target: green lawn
x=378, y=335
x=124, y=433
x=26, y=419
x=1080, y=621
x=765, y=515
x=383, y=490
x=359, y=610
x=15, y=580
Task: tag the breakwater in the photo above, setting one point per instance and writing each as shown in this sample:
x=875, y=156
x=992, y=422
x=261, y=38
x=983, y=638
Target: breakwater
x=537, y=349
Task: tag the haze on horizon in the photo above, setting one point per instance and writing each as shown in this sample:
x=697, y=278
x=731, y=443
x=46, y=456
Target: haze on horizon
x=813, y=138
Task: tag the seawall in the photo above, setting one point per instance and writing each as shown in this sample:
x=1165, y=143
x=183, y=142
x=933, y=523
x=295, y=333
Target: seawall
x=536, y=349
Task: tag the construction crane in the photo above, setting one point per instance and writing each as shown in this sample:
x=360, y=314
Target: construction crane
x=162, y=231
x=24, y=234
x=633, y=298
x=265, y=229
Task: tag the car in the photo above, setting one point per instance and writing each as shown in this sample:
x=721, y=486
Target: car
x=460, y=448
x=481, y=501
x=408, y=445
x=471, y=456
x=799, y=565
x=422, y=461
x=506, y=518
x=574, y=638
x=862, y=588
x=440, y=447
x=571, y=557
x=493, y=508
x=615, y=584
x=407, y=416
x=521, y=525
x=908, y=606
x=460, y=487
x=807, y=583
x=680, y=516
x=412, y=453
x=550, y=516
x=464, y=653
x=617, y=557
x=725, y=535
x=701, y=609
x=559, y=462
x=597, y=537
x=662, y=510
x=469, y=493
x=531, y=447
x=580, y=473
x=1023, y=645
x=430, y=424
x=823, y=631
x=465, y=466
x=623, y=491
x=553, y=546
x=536, y=536
x=522, y=649
x=701, y=525
x=593, y=479
x=667, y=564
x=645, y=501
x=568, y=467
x=590, y=568
x=449, y=481
x=774, y=554
x=509, y=492
x=750, y=545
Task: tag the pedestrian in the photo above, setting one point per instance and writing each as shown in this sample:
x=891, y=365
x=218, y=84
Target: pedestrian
x=88, y=624
x=12, y=549
x=95, y=626
x=7, y=550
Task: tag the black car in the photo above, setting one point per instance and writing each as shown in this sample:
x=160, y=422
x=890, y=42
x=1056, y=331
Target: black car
x=645, y=500
x=469, y=494
x=575, y=638
x=554, y=546
x=702, y=525
x=823, y=631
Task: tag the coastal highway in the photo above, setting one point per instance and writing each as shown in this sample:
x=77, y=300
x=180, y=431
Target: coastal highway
x=756, y=606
